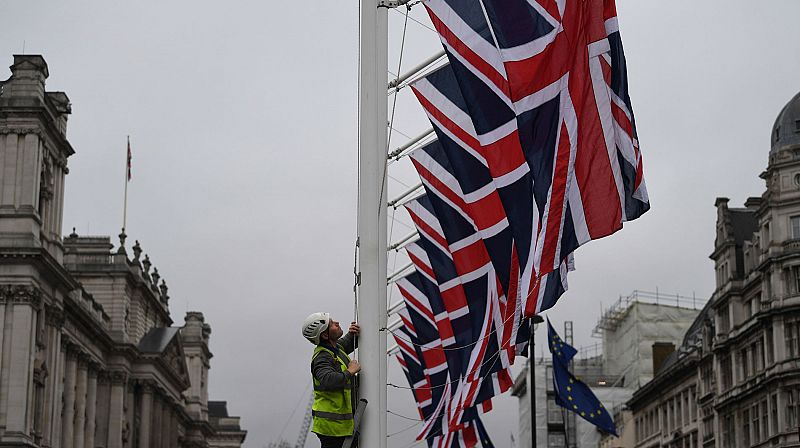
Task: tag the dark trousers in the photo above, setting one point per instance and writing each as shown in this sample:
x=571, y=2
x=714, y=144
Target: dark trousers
x=330, y=441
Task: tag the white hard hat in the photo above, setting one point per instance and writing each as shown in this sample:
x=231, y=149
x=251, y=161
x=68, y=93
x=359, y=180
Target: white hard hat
x=315, y=325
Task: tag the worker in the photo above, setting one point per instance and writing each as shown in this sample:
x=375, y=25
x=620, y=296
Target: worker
x=333, y=375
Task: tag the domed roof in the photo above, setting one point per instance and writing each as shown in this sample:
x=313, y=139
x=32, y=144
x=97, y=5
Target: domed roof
x=786, y=131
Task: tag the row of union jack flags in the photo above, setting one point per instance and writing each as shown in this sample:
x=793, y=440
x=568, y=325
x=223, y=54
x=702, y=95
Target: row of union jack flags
x=536, y=154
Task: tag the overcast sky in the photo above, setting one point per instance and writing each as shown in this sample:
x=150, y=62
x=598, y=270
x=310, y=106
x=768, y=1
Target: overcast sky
x=242, y=117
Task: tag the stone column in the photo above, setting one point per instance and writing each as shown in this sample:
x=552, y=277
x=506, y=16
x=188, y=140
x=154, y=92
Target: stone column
x=52, y=400
x=80, y=403
x=91, y=408
x=174, y=424
x=101, y=413
x=58, y=393
x=130, y=414
x=68, y=415
x=116, y=418
x=155, y=431
x=166, y=425
x=145, y=416
x=19, y=349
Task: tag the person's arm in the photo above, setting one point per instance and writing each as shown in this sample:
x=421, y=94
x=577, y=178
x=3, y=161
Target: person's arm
x=347, y=343
x=326, y=370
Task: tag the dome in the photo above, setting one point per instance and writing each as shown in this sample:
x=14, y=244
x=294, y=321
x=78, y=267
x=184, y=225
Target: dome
x=786, y=131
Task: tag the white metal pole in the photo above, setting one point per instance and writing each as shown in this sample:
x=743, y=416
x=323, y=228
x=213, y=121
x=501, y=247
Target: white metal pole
x=372, y=220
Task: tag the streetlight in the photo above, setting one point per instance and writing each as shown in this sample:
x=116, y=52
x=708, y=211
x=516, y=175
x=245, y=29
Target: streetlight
x=535, y=320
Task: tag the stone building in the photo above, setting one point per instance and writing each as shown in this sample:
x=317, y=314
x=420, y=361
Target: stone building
x=634, y=331
x=735, y=379
x=89, y=356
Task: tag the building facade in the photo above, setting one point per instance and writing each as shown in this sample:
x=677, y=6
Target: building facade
x=633, y=331
x=89, y=356
x=735, y=380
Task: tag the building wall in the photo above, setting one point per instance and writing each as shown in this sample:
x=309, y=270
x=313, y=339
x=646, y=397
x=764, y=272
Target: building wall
x=742, y=355
x=88, y=357
x=628, y=343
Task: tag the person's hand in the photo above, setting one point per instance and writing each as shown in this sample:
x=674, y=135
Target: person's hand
x=354, y=367
x=354, y=329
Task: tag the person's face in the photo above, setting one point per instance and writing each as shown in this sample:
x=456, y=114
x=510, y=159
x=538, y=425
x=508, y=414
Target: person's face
x=334, y=331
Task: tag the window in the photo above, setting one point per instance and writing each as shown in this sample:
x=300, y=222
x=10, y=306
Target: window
x=554, y=415
x=764, y=420
x=791, y=330
x=728, y=431
x=756, y=427
x=724, y=320
x=774, y=414
x=744, y=365
x=726, y=372
x=747, y=309
x=770, y=347
x=746, y=427
x=556, y=440
x=796, y=125
x=758, y=355
x=708, y=424
x=795, y=226
x=685, y=414
x=693, y=404
x=794, y=280
x=791, y=410
x=707, y=377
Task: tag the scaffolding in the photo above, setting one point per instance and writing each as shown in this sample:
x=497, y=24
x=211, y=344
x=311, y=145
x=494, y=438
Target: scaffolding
x=611, y=317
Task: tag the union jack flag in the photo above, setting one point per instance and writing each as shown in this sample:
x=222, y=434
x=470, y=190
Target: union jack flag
x=451, y=252
x=469, y=433
x=536, y=91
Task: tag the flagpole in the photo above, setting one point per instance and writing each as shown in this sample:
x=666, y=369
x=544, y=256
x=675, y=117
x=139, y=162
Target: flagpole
x=127, y=174
x=372, y=214
x=535, y=321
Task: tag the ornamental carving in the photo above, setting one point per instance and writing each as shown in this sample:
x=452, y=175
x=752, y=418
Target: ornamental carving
x=21, y=130
x=118, y=377
x=54, y=316
x=20, y=294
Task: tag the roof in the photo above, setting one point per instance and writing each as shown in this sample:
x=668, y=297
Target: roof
x=219, y=418
x=157, y=339
x=786, y=130
x=744, y=223
x=218, y=409
x=693, y=334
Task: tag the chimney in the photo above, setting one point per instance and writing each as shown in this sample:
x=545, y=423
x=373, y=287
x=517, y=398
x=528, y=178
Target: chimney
x=661, y=351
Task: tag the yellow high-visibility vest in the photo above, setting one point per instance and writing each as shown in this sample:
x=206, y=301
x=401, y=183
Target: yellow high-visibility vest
x=333, y=408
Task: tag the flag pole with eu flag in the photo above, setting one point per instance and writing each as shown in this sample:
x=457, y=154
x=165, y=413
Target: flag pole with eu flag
x=571, y=393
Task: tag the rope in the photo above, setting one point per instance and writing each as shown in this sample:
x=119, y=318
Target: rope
x=413, y=425
x=493, y=331
x=404, y=417
x=417, y=21
x=446, y=383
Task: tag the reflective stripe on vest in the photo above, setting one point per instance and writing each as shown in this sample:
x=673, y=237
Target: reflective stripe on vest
x=331, y=415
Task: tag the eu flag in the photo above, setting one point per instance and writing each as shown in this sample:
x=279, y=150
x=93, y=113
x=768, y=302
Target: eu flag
x=560, y=349
x=571, y=393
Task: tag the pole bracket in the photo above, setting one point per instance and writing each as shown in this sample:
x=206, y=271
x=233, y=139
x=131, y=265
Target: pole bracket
x=391, y=3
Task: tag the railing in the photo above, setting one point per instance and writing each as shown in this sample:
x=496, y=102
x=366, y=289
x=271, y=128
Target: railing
x=95, y=259
x=791, y=245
